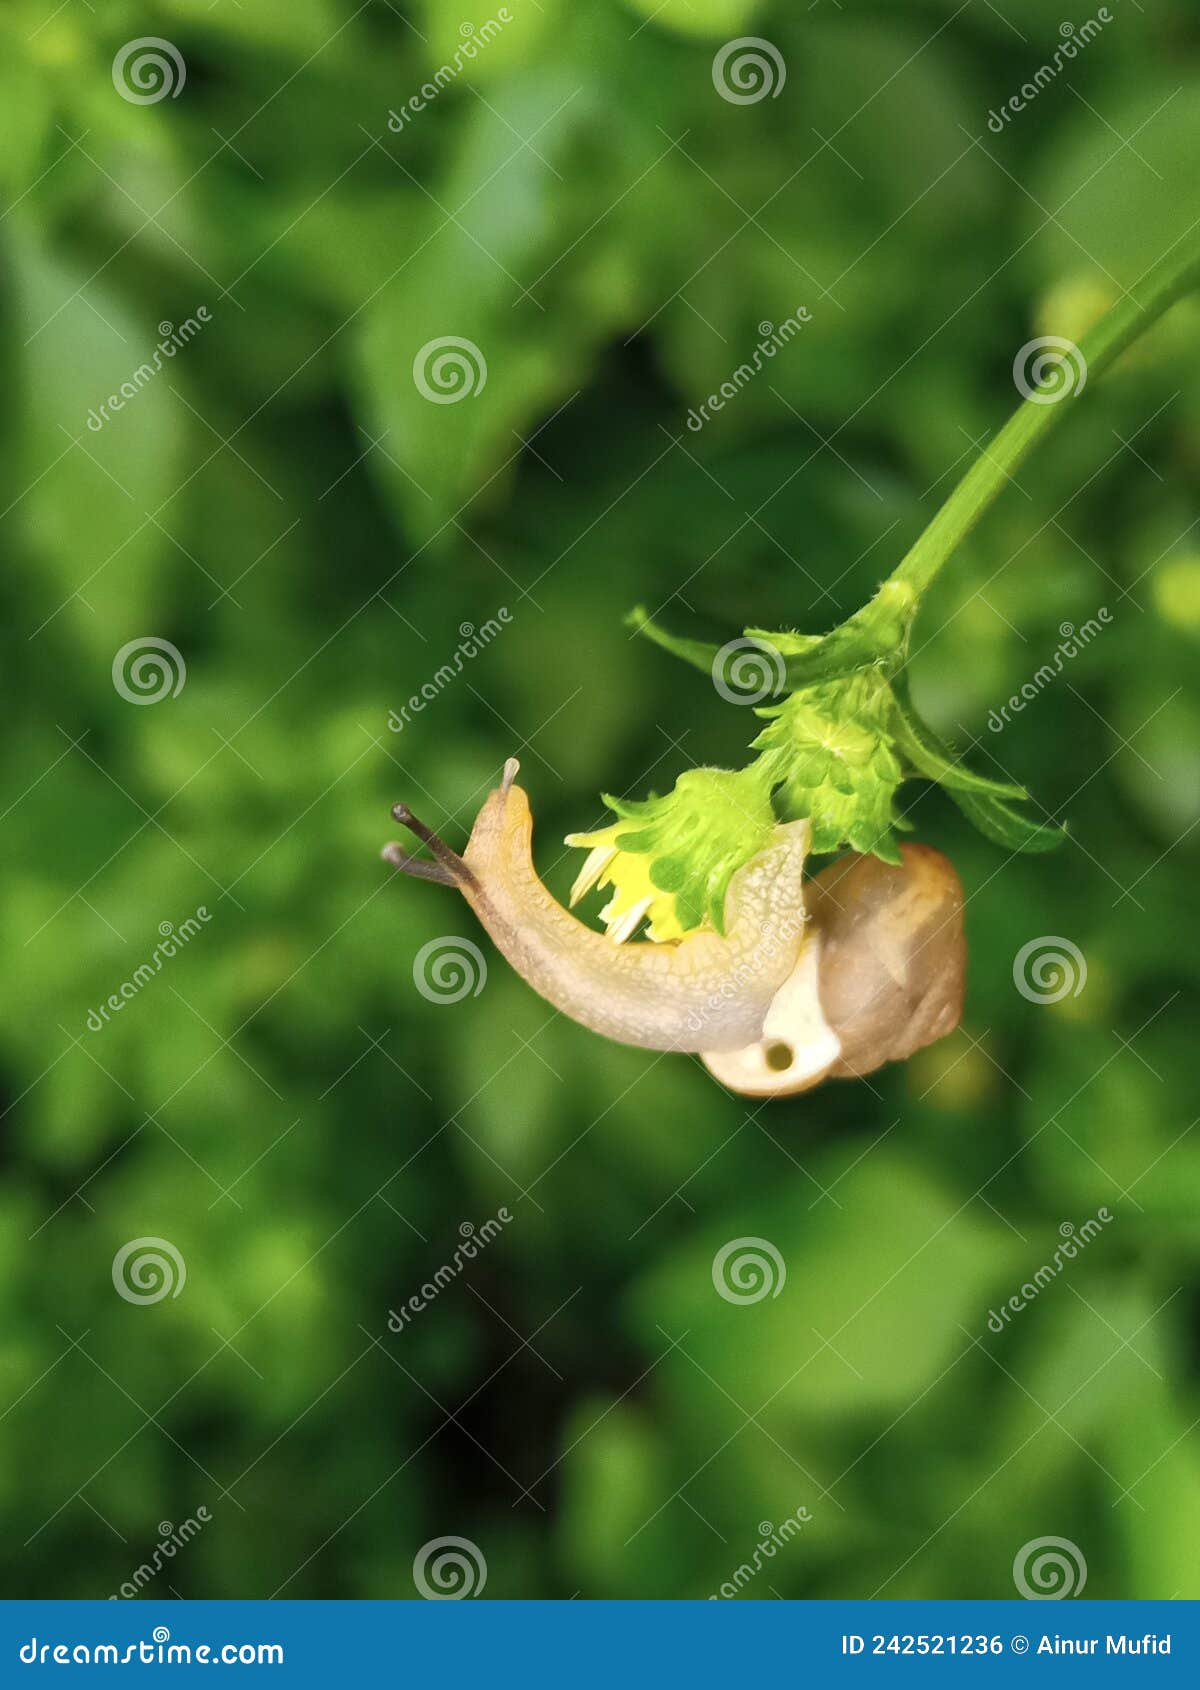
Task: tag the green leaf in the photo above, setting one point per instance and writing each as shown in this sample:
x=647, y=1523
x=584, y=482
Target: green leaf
x=85, y=476
x=449, y=367
x=893, y=1271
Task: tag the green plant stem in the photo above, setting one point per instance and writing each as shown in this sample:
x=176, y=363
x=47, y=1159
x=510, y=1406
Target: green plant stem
x=1169, y=281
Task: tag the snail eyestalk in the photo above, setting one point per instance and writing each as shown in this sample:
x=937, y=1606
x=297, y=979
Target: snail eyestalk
x=419, y=867
x=448, y=869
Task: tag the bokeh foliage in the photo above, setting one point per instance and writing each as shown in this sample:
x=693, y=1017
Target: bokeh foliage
x=286, y=508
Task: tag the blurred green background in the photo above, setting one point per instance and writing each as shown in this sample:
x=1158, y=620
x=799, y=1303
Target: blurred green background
x=282, y=504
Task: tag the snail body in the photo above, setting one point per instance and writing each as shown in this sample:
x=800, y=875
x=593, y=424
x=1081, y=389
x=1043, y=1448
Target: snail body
x=786, y=997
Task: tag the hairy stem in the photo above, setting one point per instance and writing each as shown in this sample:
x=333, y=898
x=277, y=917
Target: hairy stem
x=1169, y=281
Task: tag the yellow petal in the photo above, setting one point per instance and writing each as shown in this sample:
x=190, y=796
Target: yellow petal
x=634, y=897
x=594, y=865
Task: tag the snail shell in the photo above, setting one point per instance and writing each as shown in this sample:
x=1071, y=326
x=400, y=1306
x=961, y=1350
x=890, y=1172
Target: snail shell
x=882, y=974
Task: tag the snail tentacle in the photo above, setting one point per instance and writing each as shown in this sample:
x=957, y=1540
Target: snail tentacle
x=449, y=860
x=420, y=867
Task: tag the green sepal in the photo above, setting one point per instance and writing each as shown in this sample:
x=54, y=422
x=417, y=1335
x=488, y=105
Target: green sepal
x=1004, y=825
x=699, y=653
x=989, y=805
x=874, y=637
x=936, y=762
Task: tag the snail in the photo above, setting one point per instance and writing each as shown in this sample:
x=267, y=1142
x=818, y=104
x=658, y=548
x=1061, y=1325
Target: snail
x=828, y=978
